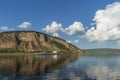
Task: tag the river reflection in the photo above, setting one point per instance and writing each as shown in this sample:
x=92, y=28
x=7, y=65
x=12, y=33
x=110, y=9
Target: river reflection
x=92, y=68
x=32, y=65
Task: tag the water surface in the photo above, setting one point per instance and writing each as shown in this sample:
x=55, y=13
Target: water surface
x=54, y=67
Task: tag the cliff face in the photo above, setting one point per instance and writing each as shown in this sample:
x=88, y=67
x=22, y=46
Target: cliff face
x=31, y=41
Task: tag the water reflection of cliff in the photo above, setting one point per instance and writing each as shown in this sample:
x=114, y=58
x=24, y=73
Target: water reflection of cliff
x=32, y=64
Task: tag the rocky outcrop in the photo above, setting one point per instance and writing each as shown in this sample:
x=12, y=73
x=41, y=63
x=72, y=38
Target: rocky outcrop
x=32, y=41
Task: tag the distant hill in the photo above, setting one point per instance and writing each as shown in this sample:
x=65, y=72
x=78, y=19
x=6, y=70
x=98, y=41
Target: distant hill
x=32, y=41
x=101, y=51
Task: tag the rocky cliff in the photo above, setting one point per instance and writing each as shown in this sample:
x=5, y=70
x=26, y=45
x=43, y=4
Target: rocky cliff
x=32, y=41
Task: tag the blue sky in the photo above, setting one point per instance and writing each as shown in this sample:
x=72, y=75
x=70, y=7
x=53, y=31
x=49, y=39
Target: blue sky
x=61, y=14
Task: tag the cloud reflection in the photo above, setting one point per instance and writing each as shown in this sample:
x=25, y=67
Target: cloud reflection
x=104, y=72
x=99, y=71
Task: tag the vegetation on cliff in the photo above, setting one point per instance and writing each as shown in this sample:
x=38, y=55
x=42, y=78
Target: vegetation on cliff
x=102, y=51
x=32, y=41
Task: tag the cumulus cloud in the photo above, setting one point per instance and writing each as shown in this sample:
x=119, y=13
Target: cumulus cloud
x=76, y=41
x=69, y=41
x=73, y=41
x=53, y=28
x=107, y=24
x=5, y=28
x=25, y=25
x=56, y=29
x=75, y=28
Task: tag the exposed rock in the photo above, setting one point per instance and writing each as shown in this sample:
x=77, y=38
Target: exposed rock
x=32, y=41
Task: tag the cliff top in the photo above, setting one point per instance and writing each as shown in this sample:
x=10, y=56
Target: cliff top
x=33, y=41
x=20, y=31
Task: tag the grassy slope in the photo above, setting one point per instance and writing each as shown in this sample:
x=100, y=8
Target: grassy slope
x=16, y=50
x=102, y=51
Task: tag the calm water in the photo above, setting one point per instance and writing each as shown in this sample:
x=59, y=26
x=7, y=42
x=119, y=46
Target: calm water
x=31, y=67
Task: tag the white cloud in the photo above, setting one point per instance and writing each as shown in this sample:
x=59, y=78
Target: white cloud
x=75, y=28
x=76, y=41
x=69, y=41
x=73, y=41
x=5, y=28
x=107, y=24
x=25, y=25
x=56, y=34
x=56, y=29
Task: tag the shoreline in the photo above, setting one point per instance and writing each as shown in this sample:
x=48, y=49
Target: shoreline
x=17, y=54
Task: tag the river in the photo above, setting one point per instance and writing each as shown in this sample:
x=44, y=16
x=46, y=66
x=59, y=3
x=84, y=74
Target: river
x=60, y=68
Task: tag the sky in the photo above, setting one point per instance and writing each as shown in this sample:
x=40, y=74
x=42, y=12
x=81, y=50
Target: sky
x=84, y=23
